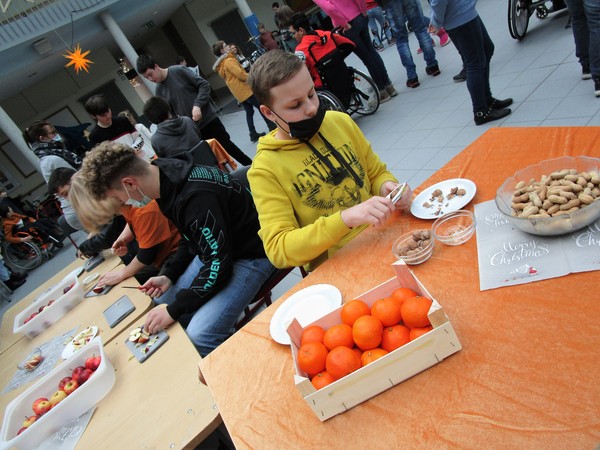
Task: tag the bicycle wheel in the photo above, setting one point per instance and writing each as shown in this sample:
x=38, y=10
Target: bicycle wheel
x=365, y=95
x=24, y=255
x=330, y=101
x=518, y=18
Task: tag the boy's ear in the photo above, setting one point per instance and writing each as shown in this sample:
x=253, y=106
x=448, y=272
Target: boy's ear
x=268, y=113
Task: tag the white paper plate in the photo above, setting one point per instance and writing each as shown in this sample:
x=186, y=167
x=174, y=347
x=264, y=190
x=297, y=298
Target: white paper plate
x=70, y=348
x=438, y=209
x=306, y=306
x=90, y=278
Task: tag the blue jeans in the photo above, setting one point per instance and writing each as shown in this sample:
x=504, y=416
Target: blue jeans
x=400, y=11
x=4, y=272
x=215, y=321
x=375, y=17
x=183, y=282
x=359, y=34
x=476, y=49
x=585, y=21
x=249, y=104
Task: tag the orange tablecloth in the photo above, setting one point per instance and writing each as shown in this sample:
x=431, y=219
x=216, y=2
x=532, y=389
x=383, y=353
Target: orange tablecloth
x=527, y=376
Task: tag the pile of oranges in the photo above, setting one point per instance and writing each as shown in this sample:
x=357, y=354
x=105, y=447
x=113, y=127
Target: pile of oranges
x=365, y=334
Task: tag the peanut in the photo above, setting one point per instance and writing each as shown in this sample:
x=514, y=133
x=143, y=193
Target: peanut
x=557, y=199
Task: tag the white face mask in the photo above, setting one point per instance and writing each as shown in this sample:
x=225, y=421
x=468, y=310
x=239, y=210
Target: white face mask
x=57, y=138
x=137, y=203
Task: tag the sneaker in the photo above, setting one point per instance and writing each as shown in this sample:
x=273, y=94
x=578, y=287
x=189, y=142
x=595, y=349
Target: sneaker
x=14, y=285
x=392, y=41
x=434, y=71
x=384, y=96
x=461, y=76
x=586, y=74
x=413, y=83
x=444, y=38
x=255, y=136
x=391, y=90
x=597, y=87
x=499, y=104
x=420, y=50
x=491, y=114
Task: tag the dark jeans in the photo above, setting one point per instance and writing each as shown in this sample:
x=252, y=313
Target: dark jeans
x=249, y=104
x=359, y=34
x=585, y=21
x=476, y=48
x=216, y=130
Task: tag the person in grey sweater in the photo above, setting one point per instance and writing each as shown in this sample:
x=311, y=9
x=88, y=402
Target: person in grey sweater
x=189, y=95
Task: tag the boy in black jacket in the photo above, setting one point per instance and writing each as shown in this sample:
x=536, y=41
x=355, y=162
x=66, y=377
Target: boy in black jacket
x=220, y=251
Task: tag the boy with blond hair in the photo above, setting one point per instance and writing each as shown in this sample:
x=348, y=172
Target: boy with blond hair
x=315, y=180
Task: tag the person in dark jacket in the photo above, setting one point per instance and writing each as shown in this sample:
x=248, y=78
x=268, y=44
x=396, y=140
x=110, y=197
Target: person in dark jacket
x=220, y=262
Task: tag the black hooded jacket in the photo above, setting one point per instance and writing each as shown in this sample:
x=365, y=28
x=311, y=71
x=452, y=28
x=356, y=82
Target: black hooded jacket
x=216, y=217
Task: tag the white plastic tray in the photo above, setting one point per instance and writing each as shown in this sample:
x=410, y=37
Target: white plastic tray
x=86, y=396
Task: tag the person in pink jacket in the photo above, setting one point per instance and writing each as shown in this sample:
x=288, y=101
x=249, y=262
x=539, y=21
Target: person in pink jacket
x=351, y=17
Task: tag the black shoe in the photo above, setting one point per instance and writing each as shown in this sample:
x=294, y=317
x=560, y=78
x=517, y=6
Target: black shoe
x=586, y=74
x=597, y=87
x=254, y=136
x=490, y=115
x=434, y=71
x=494, y=103
x=13, y=285
x=413, y=83
x=18, y=276
x=461, y=76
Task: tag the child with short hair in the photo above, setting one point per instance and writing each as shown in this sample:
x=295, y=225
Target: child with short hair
x=316, y=181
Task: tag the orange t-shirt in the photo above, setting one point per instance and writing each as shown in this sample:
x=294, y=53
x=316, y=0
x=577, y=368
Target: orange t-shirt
x=150, y=228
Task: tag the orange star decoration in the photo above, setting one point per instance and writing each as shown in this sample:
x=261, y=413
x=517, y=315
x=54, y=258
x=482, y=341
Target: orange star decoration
x=78, y=59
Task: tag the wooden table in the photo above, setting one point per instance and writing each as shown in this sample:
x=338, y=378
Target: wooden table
x=7, y=337
x=157, y=404
x=527, y=376
x=89, y=312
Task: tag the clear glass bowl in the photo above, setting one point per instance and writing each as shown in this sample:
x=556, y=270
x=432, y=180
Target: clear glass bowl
x=419, y=255
x=454, y=228
x=33, y=360
x=551, y=226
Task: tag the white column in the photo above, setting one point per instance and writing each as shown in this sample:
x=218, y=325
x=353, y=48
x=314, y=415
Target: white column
x=13, y=133
x=125, y=46
x=243, y=7
x=250, y=18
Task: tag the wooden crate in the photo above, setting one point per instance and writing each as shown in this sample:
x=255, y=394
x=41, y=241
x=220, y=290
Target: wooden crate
x=386, y=372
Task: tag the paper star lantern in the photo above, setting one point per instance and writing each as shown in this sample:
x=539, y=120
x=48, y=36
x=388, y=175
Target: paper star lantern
x=78, y=59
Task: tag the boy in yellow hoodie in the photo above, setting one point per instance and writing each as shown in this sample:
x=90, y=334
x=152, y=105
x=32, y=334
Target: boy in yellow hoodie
x=229, y=68
x=315, y=180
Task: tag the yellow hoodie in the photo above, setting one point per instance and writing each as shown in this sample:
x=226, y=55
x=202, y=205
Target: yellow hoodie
x=299, y=205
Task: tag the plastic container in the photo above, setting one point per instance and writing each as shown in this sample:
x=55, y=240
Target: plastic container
x=454, y=228
x=50, y=313
x=80, y=401
x=32, y=361
x=418, y=255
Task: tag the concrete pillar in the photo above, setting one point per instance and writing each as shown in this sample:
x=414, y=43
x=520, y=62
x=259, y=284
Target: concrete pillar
x=15, y=135
x=127, y=49
x=250, y=18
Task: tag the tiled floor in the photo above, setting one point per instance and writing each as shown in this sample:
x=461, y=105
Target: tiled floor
x=421, y=129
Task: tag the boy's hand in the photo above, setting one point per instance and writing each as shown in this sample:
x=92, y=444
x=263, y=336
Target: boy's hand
x=158, y=319
x=119, y=248
x=110, y=278
x=375, y=211
x=156, y=286
x=404, y=201
x=196, y=114
x=26, y=238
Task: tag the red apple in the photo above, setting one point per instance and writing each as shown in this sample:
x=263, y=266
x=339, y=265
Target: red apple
x=29, y=420
x=41, y=406
x=58, y=397
x=93, y=362
x=50, y=303
x=42, y=308
x=30, y=317
x=68, y=288
x=77, y=371
x=62, y=383
x=98, y=289
x=84, y=375
x=21, y=430
x=70, y=386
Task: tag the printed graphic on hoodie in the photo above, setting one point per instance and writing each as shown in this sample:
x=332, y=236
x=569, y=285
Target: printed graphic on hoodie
x=210, y=246
x=323, y=185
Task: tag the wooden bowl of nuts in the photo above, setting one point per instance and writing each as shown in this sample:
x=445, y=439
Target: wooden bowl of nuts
x=555, y=197
x=414, y=247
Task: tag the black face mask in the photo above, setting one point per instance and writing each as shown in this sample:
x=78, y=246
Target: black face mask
x=307, y=128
